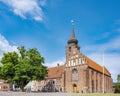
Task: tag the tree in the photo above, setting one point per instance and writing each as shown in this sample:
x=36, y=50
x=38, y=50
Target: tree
x=117, y=85
x=20, y=68
x=118, y=78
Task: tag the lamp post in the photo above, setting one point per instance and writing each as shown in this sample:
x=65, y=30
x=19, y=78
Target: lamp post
x=103, y=72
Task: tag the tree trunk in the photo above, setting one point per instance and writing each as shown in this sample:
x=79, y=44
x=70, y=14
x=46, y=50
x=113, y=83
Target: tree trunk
x=22, y=89
x=22, y=85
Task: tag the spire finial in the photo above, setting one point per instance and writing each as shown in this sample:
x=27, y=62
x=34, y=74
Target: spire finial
x=72, y=21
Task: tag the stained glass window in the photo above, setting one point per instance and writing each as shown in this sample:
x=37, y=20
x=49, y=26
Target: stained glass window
x=74, y=75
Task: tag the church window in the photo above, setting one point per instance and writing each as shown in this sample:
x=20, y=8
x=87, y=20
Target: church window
x=76, y=61
x=71, y=62
x=83, y=61
x=69, y=49
x=74, y=75
x=79, y=60
x=74, y=64
x=92, y=86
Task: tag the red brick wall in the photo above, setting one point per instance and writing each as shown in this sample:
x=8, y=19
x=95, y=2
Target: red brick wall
x=4, y=86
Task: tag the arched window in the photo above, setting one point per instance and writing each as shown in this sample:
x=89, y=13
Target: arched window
x=79, y=60
x=69, y=49
x=83, y=61
x=71, y=62
x=74, y=75
x=76, y=61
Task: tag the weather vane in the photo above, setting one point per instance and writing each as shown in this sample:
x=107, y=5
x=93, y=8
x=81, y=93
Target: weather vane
x=72, y=21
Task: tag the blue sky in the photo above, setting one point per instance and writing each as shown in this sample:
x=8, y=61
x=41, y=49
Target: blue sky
x=45, y=24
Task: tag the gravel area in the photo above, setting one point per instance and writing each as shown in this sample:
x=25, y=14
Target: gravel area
x=10, y=93
x=37, y=94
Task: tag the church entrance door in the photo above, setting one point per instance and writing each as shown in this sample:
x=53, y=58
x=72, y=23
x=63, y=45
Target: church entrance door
x=74, y=88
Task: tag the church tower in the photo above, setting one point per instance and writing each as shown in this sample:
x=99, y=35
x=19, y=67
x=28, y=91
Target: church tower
x=72, y=47
x=74, y=69
x=81, y=74
x=73, y=54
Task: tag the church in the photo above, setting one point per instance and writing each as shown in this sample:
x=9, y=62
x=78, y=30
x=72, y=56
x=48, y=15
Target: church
x=78, y=74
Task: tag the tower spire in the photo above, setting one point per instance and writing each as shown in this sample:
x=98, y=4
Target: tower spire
x=72, y=40
x=73, y=33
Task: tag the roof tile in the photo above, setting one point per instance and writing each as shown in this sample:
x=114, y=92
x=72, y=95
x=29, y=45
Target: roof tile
x=55, y=72
x=96, y=66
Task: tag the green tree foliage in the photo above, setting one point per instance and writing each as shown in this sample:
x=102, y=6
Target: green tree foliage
x=20, y=68
x=117, y=85
x=118, y=78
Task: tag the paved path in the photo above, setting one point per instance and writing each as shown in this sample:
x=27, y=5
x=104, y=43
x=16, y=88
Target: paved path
x=51, y=94
x=37, y=94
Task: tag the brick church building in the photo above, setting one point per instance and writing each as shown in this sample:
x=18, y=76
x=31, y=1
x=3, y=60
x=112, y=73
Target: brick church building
x=78, y=74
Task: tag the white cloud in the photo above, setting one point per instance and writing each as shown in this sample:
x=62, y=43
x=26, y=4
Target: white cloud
x=42, y=2
x=26, y=8
x=109, y=46
x=5, y=46
x=54, y=63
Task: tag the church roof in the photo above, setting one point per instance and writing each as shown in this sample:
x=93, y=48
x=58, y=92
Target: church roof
x=55, y=72
x=96, y=66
